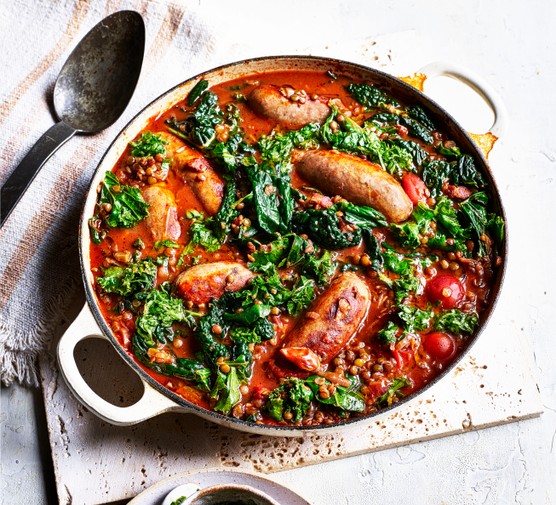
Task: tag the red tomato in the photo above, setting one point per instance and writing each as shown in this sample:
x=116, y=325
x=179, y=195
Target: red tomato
x=444, y=289
x=439, y=345
x=402, y=357
x=415, y=188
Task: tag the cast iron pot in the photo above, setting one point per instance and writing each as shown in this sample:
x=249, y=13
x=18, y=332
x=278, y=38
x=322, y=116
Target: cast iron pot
x=90, y=323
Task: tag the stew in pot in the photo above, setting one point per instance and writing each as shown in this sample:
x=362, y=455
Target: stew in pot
x=294, y=248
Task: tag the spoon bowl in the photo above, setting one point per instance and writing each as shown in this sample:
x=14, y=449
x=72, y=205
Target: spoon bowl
x=91, y=92
x=99, y=77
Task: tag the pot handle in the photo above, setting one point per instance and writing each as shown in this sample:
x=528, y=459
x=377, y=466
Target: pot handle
x=478, y=84
x=151, y=404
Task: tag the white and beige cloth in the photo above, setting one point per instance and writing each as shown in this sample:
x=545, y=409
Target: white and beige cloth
x=39, y=263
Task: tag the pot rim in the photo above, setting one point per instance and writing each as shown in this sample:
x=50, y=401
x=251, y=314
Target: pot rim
x=144, y=115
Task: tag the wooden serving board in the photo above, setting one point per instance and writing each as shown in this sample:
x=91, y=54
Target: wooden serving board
x=95, y=462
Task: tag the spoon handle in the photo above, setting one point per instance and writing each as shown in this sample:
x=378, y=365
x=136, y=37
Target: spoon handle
x=28, y=168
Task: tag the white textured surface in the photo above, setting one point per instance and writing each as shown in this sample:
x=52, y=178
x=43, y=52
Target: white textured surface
x=511, y=44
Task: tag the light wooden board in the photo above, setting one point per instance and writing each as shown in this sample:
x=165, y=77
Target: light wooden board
x=95, y=462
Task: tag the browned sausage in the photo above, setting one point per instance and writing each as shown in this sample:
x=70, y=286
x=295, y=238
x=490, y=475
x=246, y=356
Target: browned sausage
x=196, y=171
x=162, y=220
x=357, y=180
x=330, y=324
x=278, y=103
x=202, y=283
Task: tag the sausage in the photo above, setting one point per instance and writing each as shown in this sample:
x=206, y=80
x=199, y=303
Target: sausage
x=357, y=180
x=201, y=283
x=272, y=102
x=162, y=221
x=196, y=171
x=332, y=321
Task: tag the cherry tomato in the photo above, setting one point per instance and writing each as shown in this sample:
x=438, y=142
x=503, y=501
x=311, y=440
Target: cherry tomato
x=415, y=188
x=439, y=345
x=444, y=289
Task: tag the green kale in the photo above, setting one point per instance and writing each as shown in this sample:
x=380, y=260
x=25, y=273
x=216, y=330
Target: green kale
x=261, y=331
x=344, y=398
x=269, y=290
x=159, y=244
x=211, y=349
x=409, y=233
x=160, y=311
x=393, y=391
x=416, y=129
x=456, y=321
x=148, y=144
x=414, y=318
x=199, y=128
x=373, y=249
x=416, y=112
x=418, y=154
x=276, y=149
x=474, y=208
x=463, y=172
x=300, y=296
x=250, y=315
x=404, y=286
x=226, y=389
x=370, y=96
x=389, y=334
x=435, y=173
x=450, y=152
x=293, y=397
x=204, y=120
x=267, y=201
x=186, y=368
x=202, y=232
x=496, y=227
x=197, y=91
x=466, y=173
x=126, y=203
x=363, y=140
x=324, y=227
x=321, y=268
x=130, y=280
x=361, y=216
x=288, y=251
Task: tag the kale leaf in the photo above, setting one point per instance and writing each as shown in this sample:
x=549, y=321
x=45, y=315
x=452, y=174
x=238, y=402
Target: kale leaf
x=185, y=368
x=344, y=398
x=267, y=202
x=197, y=91
x=199, y=128
x=414, y=318
x=393, y=391
x=148, y=144
x=226, y=389
x=437, y=173
x=160, y=311
x=361, y=216
x=390, y=334
x=456, y=321
x=356, y=139
x=293, y=396
x=370, y=96
x=324, y=227
x=129, y=280
x=416, y=112
x=126, y=203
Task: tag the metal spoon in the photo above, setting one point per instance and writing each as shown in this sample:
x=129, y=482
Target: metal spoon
x=91, y=92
